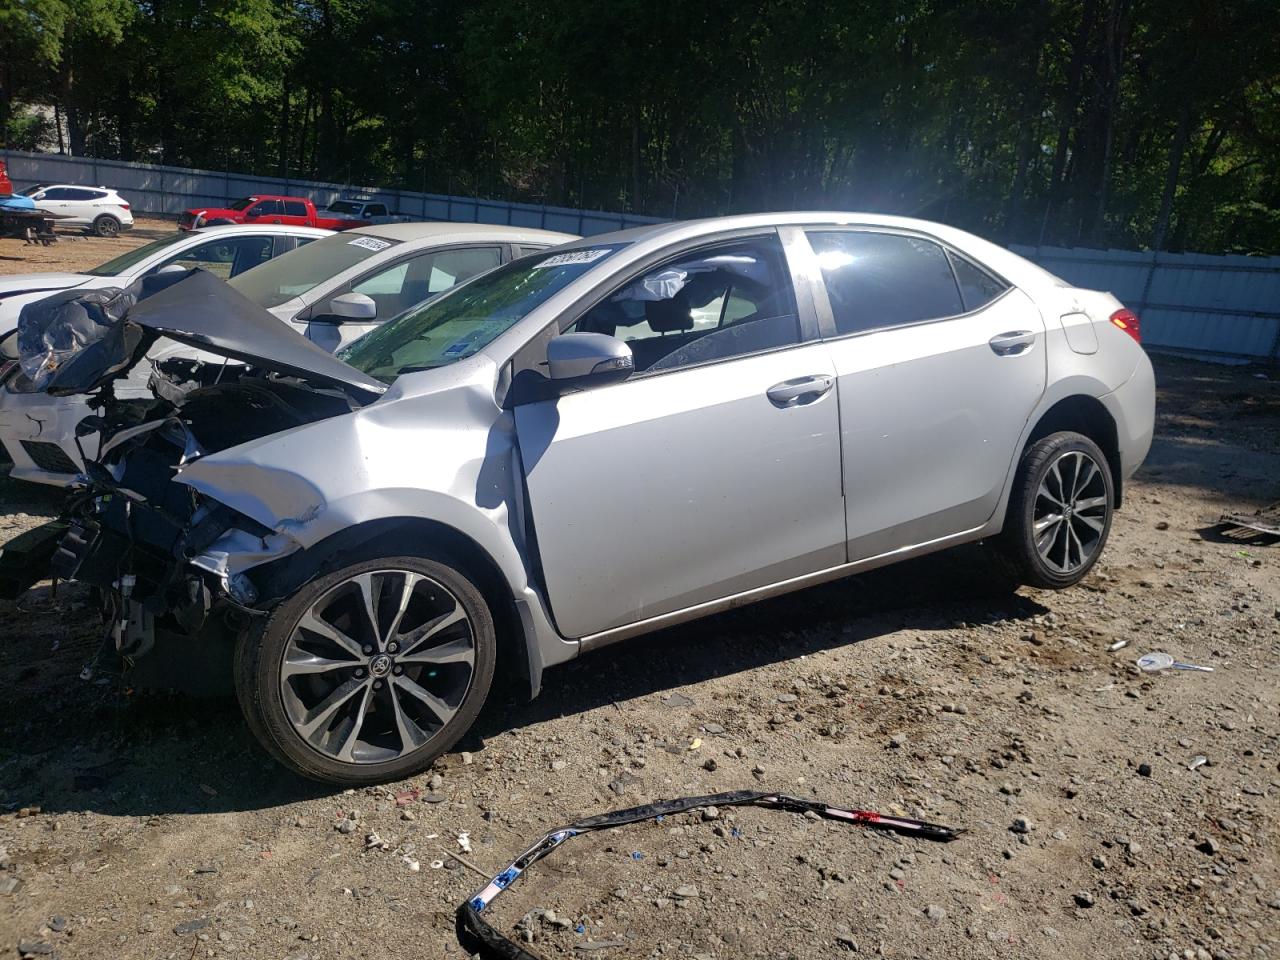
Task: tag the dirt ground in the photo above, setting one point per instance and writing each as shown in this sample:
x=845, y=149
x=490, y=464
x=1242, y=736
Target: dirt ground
x=77, y=250
x=155, y=828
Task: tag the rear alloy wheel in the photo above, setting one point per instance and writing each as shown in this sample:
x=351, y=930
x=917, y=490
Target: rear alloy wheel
x=106, y=226
x=1060, y=512
x=370, y=673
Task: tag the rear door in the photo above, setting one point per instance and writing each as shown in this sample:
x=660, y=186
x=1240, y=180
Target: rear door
x=940, y=363
x=714, y=469
x=295, y=214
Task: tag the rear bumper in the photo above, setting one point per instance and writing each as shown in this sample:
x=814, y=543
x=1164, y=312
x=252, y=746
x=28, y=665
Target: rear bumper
x=1133, y=407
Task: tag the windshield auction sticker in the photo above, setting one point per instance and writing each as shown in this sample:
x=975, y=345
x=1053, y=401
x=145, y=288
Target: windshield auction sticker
x=570, y=259
x=369, y=243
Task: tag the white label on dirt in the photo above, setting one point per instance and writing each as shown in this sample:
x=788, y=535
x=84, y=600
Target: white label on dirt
x=370, y=243
x=568, y=259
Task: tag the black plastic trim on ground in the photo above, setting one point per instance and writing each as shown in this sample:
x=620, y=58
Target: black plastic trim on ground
x=480, y=939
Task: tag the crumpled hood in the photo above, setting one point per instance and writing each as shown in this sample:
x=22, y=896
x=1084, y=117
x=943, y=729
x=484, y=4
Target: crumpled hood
x=205, y=312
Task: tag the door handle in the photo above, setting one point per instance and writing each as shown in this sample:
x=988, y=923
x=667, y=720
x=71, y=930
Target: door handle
x=1013, y=343
x=801, y=390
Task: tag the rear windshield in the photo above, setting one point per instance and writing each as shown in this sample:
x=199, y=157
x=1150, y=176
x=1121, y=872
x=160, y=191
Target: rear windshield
x=293, y=274
x=125, y=261
x=463, y=321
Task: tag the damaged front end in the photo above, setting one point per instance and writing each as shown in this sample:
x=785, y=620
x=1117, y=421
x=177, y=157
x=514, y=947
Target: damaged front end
x=176, y=572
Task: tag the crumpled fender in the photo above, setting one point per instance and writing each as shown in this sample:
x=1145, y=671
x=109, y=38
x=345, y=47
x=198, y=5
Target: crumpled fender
x=447, y=456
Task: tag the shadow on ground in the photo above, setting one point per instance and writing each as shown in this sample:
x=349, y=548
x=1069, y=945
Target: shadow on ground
x=74, y=745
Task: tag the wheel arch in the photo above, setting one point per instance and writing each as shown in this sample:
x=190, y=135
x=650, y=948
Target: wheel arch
x=414, y=536
x=1087, y=415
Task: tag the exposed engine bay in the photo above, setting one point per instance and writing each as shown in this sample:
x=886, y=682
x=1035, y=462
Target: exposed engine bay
x=132, y=531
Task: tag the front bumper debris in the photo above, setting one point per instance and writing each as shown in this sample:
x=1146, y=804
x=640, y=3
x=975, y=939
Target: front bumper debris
x=27, y=558
x=480, y=939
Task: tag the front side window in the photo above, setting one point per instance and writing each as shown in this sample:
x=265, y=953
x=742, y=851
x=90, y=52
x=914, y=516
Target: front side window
x=228, y=256
x=723, y=301
x=463, y=321
x=877, y=280
x=409, y=282
x=296, y=272
x=268, y=208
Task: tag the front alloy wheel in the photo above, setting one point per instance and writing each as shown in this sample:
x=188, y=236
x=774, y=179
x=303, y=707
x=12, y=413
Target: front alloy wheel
x=370, y=673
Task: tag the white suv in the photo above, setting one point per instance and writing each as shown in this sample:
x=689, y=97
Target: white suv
x=102, y=211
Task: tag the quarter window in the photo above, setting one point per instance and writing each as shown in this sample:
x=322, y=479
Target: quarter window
x=720, y=302
x=977, y=287
x=877, y=280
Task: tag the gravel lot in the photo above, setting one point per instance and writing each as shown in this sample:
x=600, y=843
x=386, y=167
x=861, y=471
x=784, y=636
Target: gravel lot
x=76, y=250
x=154, y=827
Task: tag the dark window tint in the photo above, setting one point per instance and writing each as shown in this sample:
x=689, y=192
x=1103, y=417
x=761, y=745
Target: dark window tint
x=227, y=257
x=977, y=287
x=295, y=208
x=268, y=208
x=720, y=302
x=375, y=210
x=884, y=280
x=58, y=193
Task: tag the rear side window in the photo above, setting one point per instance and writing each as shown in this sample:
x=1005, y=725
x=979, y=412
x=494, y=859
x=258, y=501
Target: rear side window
x=295, y=208
x=877, y=280
x=977, y=287
x=375, y=210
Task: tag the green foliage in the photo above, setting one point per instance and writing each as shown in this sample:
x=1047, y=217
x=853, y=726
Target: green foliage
x=1098, y=122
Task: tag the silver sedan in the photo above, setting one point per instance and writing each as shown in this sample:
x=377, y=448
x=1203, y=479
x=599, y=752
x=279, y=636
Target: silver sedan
x=595, y=442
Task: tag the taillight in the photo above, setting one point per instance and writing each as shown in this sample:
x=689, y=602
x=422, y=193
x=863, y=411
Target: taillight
x=124, y=206
x=1128, y=321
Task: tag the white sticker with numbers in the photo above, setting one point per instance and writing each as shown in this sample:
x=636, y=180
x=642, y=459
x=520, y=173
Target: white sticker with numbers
x=572, y=259
x=369, y=243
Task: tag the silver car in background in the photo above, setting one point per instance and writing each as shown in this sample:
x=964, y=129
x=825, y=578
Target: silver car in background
x=595, y=442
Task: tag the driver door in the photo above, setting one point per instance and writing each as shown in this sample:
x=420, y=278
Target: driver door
x=714, y=469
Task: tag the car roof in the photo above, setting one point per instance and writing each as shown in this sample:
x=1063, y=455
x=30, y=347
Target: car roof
x=461, y=232
x=72, y=186
x=1014, y=268
x=280, y=228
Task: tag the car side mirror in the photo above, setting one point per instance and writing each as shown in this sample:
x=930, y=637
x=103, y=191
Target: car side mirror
x=170, y=268
x=588, y=359
x=349, y=306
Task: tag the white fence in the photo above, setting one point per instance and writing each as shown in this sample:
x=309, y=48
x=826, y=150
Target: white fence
x=1189, y=303
x=170, y=190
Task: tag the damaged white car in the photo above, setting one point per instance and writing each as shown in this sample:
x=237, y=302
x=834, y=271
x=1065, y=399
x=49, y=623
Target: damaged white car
x=581, y=446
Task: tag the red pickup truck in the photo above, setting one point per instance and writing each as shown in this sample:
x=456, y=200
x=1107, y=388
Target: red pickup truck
x=294, y=211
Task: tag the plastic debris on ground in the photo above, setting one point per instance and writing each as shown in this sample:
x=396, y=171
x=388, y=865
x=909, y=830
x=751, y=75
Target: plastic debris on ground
x=1157, y=661
x=479, y=939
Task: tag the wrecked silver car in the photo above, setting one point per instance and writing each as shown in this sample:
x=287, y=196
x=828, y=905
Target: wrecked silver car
x=580, y=446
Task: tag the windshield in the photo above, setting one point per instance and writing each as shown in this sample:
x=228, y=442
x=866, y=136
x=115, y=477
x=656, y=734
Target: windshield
x=126, y=261
x=293, y=274
x=243, y=204
x=464, y=321
x=343, y=206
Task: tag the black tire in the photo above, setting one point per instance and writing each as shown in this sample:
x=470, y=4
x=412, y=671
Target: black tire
x=1065, y=561
x=261, y=688
x=106, y=226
